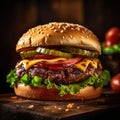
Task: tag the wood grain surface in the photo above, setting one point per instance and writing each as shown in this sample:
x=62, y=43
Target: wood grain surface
x=17, y=108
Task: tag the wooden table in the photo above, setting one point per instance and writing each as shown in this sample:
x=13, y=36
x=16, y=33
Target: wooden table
x=107, y=106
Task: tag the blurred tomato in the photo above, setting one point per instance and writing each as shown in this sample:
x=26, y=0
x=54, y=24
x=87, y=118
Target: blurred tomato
x=115, y=83
x=112, y=36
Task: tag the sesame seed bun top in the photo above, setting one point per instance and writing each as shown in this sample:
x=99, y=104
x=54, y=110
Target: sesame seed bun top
x=59, y=34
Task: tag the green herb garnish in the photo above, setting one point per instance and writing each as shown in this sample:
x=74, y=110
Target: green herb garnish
x=94, y=80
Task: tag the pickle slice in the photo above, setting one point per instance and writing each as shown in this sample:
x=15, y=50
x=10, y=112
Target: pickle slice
x=28, y=53
x=66, y=52
x=78, y=51
x=53, y=52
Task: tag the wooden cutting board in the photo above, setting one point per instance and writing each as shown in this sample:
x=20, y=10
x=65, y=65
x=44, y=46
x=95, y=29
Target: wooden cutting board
x=17, y=108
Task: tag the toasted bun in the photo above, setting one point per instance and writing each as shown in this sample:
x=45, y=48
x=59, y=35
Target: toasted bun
x=59, y=34
x=42, y=93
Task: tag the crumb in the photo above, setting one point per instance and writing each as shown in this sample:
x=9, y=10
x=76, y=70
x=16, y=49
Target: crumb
x=59, y=108
x=30, y=106
x=78, y=107
x=66, y=110
x=14, y=97
x=55, y=106
x=70, y=105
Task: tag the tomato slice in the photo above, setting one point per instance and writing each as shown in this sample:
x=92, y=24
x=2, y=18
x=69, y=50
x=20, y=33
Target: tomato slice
x=68, y=62
x=43, y=56
x=59, y=65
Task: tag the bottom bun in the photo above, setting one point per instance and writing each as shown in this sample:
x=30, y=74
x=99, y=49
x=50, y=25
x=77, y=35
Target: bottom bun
x=42, y=93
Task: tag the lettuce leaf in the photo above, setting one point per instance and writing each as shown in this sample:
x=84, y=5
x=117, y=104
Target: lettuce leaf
x=94, y=80
x=12, y=78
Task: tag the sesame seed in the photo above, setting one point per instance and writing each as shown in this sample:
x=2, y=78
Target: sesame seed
x=48, y=35
x=61, y=31
x=41, y=32
x=59, y=26
x=64, y=28
x=82, y=31
x=78, y=28
x=30, y=106
x=55, y=30
x=72, y=28
x=52, y=27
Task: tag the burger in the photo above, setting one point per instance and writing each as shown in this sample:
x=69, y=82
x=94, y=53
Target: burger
x=58, y=61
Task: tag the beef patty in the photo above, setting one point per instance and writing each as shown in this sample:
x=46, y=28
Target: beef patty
x=64, y=76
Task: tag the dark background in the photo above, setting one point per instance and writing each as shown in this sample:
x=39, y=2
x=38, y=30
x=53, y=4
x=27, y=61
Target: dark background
x=17, y=16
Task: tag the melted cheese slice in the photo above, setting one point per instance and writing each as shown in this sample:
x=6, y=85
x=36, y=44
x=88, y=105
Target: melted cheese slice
x=94, y=62
x=82, y=65
x=28, y=63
